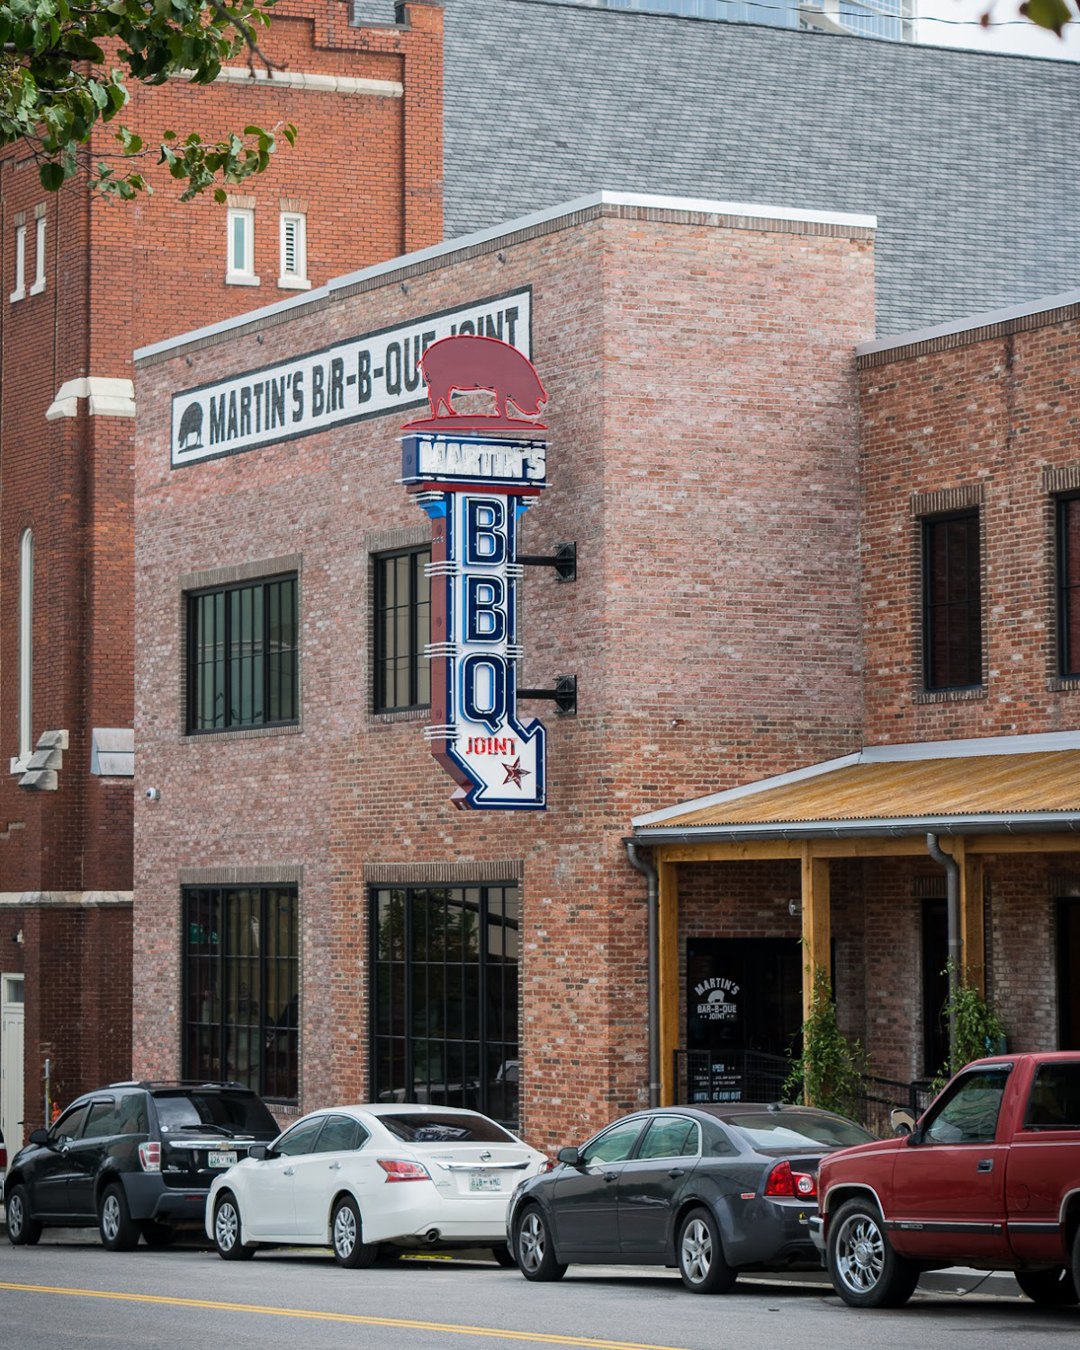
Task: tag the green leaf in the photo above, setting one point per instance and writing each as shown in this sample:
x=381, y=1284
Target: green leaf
x=1052, y=14
x=52, y=176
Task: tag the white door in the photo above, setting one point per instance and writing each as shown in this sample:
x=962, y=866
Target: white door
x=11, y=1062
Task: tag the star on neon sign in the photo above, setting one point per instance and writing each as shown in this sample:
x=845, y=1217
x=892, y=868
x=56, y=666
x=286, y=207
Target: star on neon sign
x=515, y=773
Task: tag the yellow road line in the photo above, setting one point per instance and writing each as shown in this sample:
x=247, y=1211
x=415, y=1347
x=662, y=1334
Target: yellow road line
x=537, y=1337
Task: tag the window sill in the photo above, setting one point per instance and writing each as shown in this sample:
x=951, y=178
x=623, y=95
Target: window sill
x=241, y=279
x=17, y=295
x=37, y=287
x=240, y=733
x=293, y=284
x=422, y=714
x=965, y=695
x=20, y=765
x=1063, y=684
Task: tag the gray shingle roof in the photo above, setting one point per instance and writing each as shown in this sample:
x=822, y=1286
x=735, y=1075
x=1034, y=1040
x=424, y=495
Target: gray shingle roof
x=965, y=158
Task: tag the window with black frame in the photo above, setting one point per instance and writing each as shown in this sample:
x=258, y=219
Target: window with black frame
x=1068, y=586
x=242, y=988
x=402, y=630
x=445, y=963
x=242, y=655
x=952, y=602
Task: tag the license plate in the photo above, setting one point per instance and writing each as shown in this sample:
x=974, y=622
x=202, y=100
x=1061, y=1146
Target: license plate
x=482, y=1181
x=221, y=1160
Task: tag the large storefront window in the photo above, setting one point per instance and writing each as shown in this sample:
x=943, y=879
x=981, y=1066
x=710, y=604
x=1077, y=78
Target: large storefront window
x=242, y=988
x=445, y=963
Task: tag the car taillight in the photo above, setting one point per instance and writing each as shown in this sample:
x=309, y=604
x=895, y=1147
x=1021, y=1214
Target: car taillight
x=150, y=1157
x=548, y=1165
x=3, y=1158
x=783, y=1181
x=397, y=1169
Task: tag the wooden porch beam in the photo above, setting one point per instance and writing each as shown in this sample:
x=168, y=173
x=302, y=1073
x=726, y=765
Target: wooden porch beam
x=815, y=924
x=972, y=933
x=668, y=874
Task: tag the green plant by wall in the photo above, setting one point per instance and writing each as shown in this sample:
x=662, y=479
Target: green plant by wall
x=979, y=1030
x=830, y=1071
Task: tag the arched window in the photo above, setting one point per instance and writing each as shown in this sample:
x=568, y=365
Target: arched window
x=26, y=644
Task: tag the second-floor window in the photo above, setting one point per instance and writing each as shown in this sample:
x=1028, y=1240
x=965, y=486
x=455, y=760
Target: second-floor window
x=952, y=602
x=242, y=656
x=402, y=630
x=241, y=247
x=39, y=256
x=19, y=293
x=293, y=274
x=1068, y=560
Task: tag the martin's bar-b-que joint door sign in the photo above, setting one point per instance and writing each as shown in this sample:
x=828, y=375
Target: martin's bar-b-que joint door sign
x=476, y=476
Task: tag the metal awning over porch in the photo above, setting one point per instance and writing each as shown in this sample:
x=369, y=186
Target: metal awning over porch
x=1011, y=794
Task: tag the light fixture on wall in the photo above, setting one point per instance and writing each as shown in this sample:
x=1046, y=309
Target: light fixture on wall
x=794, y=908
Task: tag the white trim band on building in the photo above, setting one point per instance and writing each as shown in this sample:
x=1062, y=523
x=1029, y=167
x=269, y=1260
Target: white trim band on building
x=107, y=398
x=57, y=899
x=750, y=217
x=312, y=81
x=1044, y=305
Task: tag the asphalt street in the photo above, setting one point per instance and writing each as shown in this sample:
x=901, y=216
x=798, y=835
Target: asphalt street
x=71, y=1293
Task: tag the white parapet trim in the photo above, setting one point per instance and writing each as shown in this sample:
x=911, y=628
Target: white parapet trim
x=107, y=398
x=312, y=81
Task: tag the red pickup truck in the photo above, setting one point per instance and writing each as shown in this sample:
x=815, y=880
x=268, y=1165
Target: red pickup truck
x=989, y=1178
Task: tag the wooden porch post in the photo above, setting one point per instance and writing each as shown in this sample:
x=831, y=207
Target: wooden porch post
x=972, y=929
x=669, y=977
x=815, y=923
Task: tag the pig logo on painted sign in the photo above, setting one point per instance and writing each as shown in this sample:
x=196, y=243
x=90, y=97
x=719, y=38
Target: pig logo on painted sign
x=475, y=475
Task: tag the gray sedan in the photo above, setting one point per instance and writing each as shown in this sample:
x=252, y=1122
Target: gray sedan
x=710, y=1189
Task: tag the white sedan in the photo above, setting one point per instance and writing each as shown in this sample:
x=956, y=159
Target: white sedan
x=374, y=1180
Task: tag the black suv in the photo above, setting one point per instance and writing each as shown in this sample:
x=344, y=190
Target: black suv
x=133, y=1158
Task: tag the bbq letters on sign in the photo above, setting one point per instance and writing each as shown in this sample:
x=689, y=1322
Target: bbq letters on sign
x=475, y=476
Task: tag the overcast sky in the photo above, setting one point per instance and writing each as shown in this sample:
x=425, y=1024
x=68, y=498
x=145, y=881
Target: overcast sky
x=963, y=30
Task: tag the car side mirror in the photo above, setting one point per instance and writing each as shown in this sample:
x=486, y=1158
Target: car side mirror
x=903, y=1122
x=40, y=1137
x=260, y=1151
x=914, y=1138
x=570, y=1156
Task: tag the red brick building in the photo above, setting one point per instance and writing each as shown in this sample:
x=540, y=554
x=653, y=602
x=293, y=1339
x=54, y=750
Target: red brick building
x=307, y=899
x=84, y=281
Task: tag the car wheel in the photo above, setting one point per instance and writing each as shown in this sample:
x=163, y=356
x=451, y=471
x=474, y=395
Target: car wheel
x=1052, y=1288
x=158, y=1234
x=119, y=1231
x=863, y=1267
x=23, y=1231
x=227, y=1233
x=534, y=1249
x=350, y=1250
x=701, y=1255
x=504, y=1256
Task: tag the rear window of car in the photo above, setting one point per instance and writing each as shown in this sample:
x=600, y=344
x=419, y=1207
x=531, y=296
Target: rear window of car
x=432, y=1128
x=808, y=1129
x=235, y=1112
x=1055, y=1098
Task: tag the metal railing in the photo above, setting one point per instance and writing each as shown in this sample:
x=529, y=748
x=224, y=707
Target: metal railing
x=706, y=1076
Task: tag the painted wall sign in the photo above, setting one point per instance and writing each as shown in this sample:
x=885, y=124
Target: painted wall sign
x=360, y=377
x=475, y=476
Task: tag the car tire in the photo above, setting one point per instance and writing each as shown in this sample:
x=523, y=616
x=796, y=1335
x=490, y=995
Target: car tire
x=157, y=1234
x=863, y=1267
x=534, y=1251
x=228, y=1232
x=701, y=1255
x=347, y=1237
x=119, y=1231
x=23, y=1231
x=504, y=1256
x=1050, y=1288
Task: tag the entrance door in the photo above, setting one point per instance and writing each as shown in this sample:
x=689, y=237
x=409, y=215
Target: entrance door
x=742, y=994
x=11, y=1062
x=1068, y=963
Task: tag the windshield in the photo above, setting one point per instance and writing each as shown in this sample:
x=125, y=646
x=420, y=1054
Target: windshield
x=432, y=1128
x=233, y=1113
x=799, y=1130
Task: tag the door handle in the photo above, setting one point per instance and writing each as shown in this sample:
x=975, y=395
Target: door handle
x=677, y=1172
x=985, y=1165
x=335, y=1167
x=289, y=1171
x=611, y=1176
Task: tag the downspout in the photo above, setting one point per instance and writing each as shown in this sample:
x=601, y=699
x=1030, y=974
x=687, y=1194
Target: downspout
x=640, y=864
x=955, y=946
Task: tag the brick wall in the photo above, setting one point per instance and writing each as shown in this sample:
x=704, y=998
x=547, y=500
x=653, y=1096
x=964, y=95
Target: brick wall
x=696, y=369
